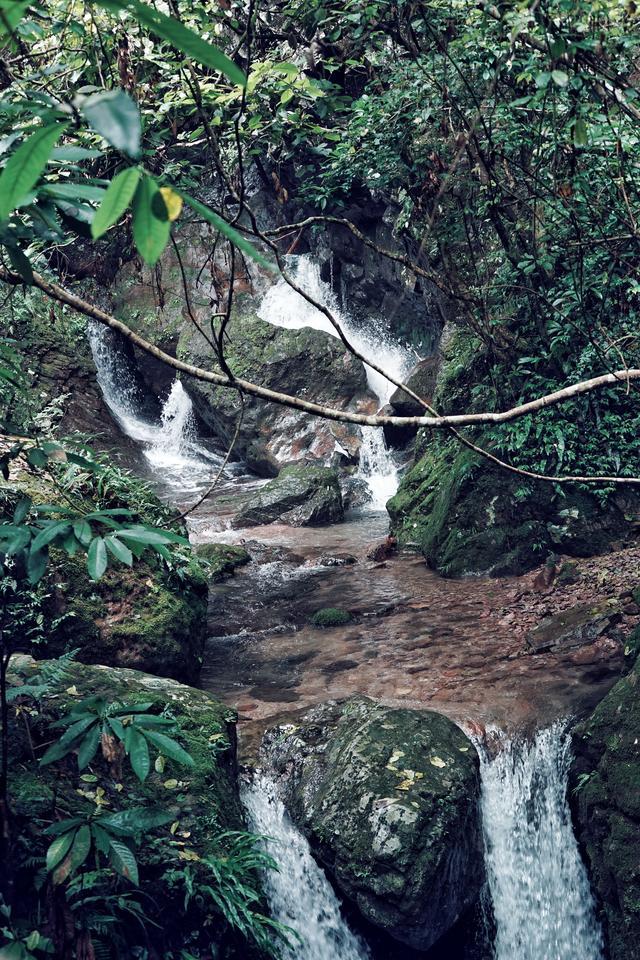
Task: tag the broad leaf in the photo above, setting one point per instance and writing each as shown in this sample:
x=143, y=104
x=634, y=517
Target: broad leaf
x=180, y=36
x=138, y=751
x=170, y=748
x=88, y=747
x=37, y=562
x=149, y=233
x=136, y=820
x=59, y=849
x=11, y=13
x=119, y=550
x=25, y=166
x=123, y=861
x=57, y=529
x=83, y=532
x=20, y=263
x=97, y=558
x=116, y=200
x=115, y=116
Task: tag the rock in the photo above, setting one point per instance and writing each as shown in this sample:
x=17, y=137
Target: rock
x=334, y=560
x=330, y=617
x=221, y=559
x=605, y=795
x=422, y=380
x=389, y=800
x=203, y=799
x=571, y=628
x=382, y=551
x=306, y=363
x=302, y=496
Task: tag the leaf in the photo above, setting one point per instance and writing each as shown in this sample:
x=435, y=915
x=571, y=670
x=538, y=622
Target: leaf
x=66, y=742
x=124, y=861
x=115, y=116
x=25, y=166
x=560, y=78
x=227, y=230
x=83, y=532
x=116, y=200
x=437, y=762
x=59, y=849
x=58, y=528
x=76, y=856
x=97, y=558
x=101, y=838
x=180, y=37
x=136, y=820
x=170, y=748
x=71, y=153
x=170, y=784
x=150, y=233
x=580, y=133
x=119, y=550
x=22, y=509
x=142, y=535
x=55, y=829
x=172, y=203
x=88, y=747
x=12, y=14
x=20, y=263
x=37, y=564
x=73, y=191
x=138, y=750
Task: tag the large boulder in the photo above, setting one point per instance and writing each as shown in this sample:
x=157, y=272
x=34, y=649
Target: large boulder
x=302, y=496
x=606, y=802
x=422, y=380
x=305, y=363
x=389, y=800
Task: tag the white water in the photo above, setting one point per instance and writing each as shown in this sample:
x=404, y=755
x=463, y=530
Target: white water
x=542, y=901
x=299, y=894
x=171, y=445
x=283, y=307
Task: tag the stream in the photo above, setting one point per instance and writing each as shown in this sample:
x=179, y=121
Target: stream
x=415, y=640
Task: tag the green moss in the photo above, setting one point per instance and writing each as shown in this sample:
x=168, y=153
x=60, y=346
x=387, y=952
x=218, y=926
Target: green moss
x=221, y=559
x=330, y=617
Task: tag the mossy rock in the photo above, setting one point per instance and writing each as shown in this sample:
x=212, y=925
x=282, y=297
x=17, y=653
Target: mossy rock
x=605, y=781
x=221, y=559
x=302, y=495
x=203, y=799
x=389, y=800
x=330, y=617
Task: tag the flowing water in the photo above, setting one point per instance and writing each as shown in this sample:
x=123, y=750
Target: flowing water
x=542, y=901
x=170, y=444
x=282, y=306
x=299, y=894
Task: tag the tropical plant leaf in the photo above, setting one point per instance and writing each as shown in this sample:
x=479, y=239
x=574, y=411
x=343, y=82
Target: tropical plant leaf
x=116, y=200
x=115, y=116
x=123, y=861
x=88, y=747
x=119, y=550
x=138, y=751
x=169, y=747
x=149, y=233
x=25, y=166
x=180, y=37
x=59, y=848
x=135, y=820
x=97, y=558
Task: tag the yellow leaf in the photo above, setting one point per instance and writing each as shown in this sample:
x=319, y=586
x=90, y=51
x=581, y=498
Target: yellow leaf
x=174, y=826
x=405, y=785
x=72, y=691
x=395, y=756
x=172, y=201
x=160, y=764
x=437, y=762
x=188, y=855
x=119, y=787
x=170, y=784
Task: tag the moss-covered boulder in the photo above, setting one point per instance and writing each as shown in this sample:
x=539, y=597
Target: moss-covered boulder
x=330, y=617
x=302, y=495
x=389, y=800
x=221, y=559
x=201, y=803
x=305, y=363
x=606, y=803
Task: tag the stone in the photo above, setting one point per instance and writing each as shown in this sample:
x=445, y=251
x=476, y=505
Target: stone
x=330, y=617
x=575, y=627
x=605, y=796
x=301, y=496
x=389, y=800
x=221, y=559
x=422, y=380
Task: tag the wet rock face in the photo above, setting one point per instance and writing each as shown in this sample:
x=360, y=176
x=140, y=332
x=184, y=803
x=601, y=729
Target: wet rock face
x=302, y=496
x=422, y=380
x=571, y=628
x=389, y=800
x=605, y=793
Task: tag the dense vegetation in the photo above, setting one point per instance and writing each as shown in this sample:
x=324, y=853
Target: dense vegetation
x=506, y=143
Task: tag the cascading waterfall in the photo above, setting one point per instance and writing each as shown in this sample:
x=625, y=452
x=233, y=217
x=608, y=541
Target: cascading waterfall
x=299, y=894
x=542, y=902
x=171, y=445
x=283, y=307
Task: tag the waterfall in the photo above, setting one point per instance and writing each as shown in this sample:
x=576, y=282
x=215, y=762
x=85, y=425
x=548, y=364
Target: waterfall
x=170, y=445
x=299, y=894
x=283, y=307
x=542, y=901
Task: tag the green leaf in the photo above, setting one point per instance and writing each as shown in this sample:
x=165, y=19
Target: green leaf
x=66, y=742
x=116, y=200
x=180, y=36
x=138, y=751
x=123, y=861
x=77, y=855
x=136, y=820
x=97, y=558
x=20, y=264
x=580, y=133
x=25, y=166
x=59, y=528
x=88, y=747
x=55, y=829
x=119, y=550
x=169, y=747
x=101, y=838
x=37, y=564
x=560, y=78
x=73, y=191
x=11, y=15
x=59, y=849
x=83, y=532
x=22, y=509
x=226, y=230
x=150, y=233
x=115, y=116
x=69, y=154
x=36, y=457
